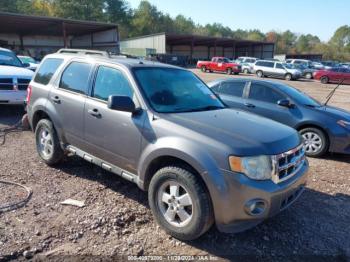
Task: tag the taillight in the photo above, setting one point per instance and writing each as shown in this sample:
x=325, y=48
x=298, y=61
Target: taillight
x=29, y=94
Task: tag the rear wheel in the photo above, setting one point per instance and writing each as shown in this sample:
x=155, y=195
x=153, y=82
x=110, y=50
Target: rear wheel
x=260, y=73
x=180, y=203
x=324, y=79
x=315, y=140
x=308, y=75
x=204, y=69
x=47, y=142
x=288, y=77
x=229, y=71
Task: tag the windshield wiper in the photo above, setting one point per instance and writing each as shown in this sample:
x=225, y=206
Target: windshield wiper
x=205, y=108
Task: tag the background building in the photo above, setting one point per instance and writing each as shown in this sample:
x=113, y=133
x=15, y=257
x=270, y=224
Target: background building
x=195, y=47
x=37, y=36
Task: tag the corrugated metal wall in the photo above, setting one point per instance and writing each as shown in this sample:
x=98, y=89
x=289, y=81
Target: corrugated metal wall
x=156, y=42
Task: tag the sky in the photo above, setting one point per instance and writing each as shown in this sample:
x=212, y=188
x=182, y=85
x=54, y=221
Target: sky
x=317, y=17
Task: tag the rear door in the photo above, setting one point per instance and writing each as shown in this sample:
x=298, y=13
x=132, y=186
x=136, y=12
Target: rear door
x=262, y=100
x=68, y=99
x=113, y=136
x=232, y=93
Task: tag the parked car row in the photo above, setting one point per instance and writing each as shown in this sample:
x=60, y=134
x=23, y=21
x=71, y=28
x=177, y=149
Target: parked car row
x=291, y=69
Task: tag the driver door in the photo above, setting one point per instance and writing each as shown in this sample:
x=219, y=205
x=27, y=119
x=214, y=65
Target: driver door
x=262, y=100
x=113, y=136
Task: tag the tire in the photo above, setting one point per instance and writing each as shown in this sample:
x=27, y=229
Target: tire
x=259, y=73
x=47, y=143
x=308, y=76
x=246, y=71
x=288, y=77
x=236, y=73
x=315, y=140
x=229, y=71
x=200, y=211
x=324, y=79
x=204, y=69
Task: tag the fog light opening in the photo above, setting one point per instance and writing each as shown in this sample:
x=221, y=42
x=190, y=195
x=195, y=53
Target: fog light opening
x=255, y=207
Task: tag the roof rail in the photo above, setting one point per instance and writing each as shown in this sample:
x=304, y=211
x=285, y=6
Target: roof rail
x=83, y=52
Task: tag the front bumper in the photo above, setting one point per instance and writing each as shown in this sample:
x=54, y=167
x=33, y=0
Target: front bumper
x=12, y=97
x=230, y=212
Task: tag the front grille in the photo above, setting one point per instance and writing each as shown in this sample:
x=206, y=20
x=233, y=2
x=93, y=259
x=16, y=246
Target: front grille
x=23, y=84
x=288, y=164
x=6, y=84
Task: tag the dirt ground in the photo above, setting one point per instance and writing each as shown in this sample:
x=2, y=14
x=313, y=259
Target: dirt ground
x=116, y=219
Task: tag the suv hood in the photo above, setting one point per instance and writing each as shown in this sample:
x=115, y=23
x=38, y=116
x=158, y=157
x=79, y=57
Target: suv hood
x=11, y=71
x=245, y=133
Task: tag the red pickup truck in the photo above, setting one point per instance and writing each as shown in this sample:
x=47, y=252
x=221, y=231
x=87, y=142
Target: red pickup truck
x=221, y=64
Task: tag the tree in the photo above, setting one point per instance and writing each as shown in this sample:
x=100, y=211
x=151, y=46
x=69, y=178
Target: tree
x=82, y=9
x=341, y=37
x=306, y=43
x=119, y=12
x=183, y=25
x=255, y=35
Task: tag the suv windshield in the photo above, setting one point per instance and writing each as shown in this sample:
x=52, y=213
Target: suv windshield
x=299, y=96
x=10, y=59
x=171, y=90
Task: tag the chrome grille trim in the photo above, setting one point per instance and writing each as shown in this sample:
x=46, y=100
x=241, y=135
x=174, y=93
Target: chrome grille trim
x=287, y=164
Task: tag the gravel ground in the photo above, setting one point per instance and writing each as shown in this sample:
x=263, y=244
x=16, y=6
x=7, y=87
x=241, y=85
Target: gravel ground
x=116, y=219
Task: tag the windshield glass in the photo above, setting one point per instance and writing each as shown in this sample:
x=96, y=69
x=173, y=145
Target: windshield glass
x=26, y=59
x=299, y=96
x=171, y=90
x=8, y=58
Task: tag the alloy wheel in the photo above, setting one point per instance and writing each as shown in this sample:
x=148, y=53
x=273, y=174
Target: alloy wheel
x=313, y=142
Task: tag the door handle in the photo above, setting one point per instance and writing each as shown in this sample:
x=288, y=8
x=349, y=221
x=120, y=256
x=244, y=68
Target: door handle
x=249, y=105
x=56, y=99
x=94, y=112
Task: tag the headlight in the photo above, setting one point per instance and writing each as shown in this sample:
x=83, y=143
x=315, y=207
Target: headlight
x=344, y=123
x=255, y=167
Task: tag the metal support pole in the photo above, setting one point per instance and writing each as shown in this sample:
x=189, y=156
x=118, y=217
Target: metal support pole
x=64, y=34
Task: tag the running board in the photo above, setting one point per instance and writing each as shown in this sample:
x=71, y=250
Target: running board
x=103, y=164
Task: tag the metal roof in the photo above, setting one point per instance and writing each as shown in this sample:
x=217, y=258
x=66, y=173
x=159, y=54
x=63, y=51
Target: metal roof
x=187, y=39
x=13, y=23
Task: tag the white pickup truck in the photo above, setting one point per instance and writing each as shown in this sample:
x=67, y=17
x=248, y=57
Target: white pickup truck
x=14, y=78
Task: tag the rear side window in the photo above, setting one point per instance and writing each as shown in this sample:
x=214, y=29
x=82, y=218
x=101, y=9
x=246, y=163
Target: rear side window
x=279, y=66
x=76, y=77
x=47, y=70
x=265, y=63
x=264, y=93
x=110, y=81
x=232, y=88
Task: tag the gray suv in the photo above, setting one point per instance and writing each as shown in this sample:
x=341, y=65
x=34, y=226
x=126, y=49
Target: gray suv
x=162, y=128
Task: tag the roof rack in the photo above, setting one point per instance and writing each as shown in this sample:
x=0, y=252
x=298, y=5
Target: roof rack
x=83, y=52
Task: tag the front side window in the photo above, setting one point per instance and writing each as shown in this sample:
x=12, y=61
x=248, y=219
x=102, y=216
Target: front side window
x=170, y=90
x=264, y=93
x=279, y=66
x=76, y=77
x=232, y=88
x=9, y=59
x=110, y=81
x=47, y=70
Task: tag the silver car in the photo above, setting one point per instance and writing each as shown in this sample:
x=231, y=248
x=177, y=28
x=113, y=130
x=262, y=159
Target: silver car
x=276, y=70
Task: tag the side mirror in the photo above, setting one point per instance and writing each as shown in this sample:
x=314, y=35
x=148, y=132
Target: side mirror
x=121, y=103
x=26, y=64
x=284, y=103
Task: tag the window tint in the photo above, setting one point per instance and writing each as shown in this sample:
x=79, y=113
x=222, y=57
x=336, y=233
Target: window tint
x=265, y=63
x=279, y=66
x=232, y=88
x=46, y=70
x=110, y=81
x=75, y=77
x=264, y=93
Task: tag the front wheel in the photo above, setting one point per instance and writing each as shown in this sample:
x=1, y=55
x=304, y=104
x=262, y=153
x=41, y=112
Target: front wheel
x=260, y=73
x=308, y=76
x=315, y=141
x=180, y=203
x=245, y=71
x=47, y=142
x=204, y=69
x=229, y=71
x=288, y=77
